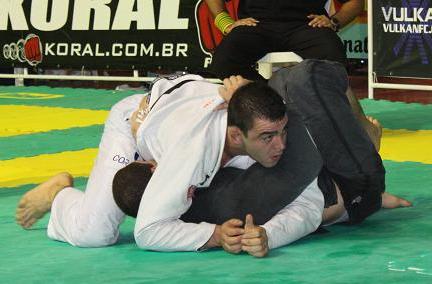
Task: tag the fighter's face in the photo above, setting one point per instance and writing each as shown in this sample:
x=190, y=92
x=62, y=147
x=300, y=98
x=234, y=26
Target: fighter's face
x=265, y=142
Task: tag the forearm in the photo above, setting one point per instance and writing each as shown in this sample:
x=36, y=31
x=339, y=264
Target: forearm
x=349, y=11
x=298, y=219
x=175, y=235
x=215, y=6
x=165, y=199
x=284, y=231
x=215, y=239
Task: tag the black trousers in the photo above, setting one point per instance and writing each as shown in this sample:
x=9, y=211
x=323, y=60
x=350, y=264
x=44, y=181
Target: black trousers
x=315, y=90
x=243, y=46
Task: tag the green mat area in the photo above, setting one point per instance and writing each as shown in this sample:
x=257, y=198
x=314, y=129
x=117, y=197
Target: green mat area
x=73, y=98
x=398, y=115
x=30, y=145
x=392, y=246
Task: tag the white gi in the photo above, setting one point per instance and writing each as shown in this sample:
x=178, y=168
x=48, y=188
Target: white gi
x=91, y=218
x=186, y=138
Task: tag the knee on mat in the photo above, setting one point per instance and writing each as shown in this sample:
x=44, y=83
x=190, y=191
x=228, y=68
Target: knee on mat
x=94, y=237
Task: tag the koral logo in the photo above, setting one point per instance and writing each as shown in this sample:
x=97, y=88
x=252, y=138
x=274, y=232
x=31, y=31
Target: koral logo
x=25, y=50
x=209, y=34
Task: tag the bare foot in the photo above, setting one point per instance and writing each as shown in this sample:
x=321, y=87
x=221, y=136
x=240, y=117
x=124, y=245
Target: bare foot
x=374, y=130
x=36, y=202
x=390, y=201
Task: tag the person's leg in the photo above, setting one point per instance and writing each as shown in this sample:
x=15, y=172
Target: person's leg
x=91, y=218
x=313, y=43
x=323, y=43
x=239, y=51
x=316, y=90
x=372, y=126
x=374, y=130
x=37, y=202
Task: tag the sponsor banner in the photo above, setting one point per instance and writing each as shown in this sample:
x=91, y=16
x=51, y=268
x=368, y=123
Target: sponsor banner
x=169, y=34
x=137, y=34
x=403, y=38
x=355, y=40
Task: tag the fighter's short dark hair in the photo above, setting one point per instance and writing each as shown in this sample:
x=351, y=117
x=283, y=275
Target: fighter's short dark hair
x=128, y=187
x=254, y=100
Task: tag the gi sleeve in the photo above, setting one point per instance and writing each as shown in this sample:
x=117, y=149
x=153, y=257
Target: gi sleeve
x=165, y=199
x=300, y=218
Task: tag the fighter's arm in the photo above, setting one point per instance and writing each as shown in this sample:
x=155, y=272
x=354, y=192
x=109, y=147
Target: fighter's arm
x=296, y=220
x=139, y=115
x=217, y=7
x=300, y=218
x=165, y=199
x=347, y=13
x=230, y=85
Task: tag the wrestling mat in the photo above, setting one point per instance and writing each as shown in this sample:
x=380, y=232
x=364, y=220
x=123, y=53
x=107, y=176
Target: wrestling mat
x=44, y=131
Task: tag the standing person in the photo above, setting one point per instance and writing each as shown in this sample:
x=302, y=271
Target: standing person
x=264, y=26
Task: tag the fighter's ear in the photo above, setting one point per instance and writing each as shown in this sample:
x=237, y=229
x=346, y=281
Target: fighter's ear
x=152, y=165
x=235, y=135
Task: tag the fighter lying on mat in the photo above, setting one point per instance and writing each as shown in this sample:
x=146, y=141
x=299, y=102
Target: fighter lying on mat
x=92, y=218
